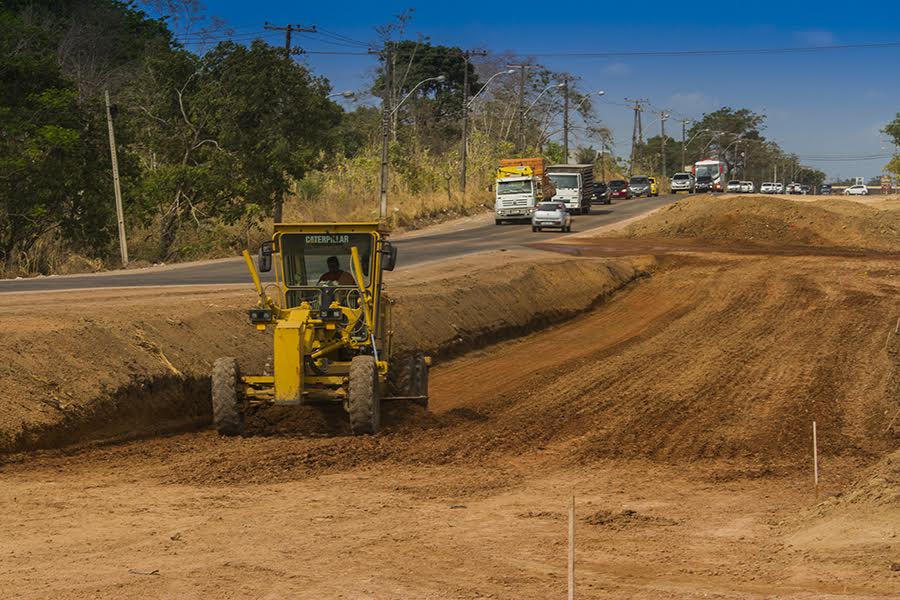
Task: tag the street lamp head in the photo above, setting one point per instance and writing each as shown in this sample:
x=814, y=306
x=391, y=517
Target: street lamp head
x=440, y=78
x=601, y=93
x=510, y=72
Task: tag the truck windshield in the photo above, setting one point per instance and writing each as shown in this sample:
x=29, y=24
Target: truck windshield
x=564, y=182
x=309, y=259
x=514, y=187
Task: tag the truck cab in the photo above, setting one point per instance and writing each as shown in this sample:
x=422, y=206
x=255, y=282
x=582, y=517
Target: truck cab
x=520, y=185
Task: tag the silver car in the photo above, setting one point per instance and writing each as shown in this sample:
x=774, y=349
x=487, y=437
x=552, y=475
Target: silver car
x=551, y=214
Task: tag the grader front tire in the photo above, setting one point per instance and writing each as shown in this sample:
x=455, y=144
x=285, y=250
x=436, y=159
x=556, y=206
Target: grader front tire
x=227, y=405
x=364, y=402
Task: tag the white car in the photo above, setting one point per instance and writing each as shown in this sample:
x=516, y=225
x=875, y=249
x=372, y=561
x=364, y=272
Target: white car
x=856, y=190
x=551, y=214
x=734, y=186
x=779, y=188
x=767, y=188
x=682, y=182
x=747, y=187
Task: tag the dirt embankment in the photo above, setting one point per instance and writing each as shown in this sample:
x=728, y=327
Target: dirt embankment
x=82, y=366
x=823, y=223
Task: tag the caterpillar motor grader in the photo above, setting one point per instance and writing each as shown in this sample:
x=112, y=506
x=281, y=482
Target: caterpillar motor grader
x=330, y=327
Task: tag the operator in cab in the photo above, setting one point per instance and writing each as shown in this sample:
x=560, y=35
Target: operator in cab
x=336, y=274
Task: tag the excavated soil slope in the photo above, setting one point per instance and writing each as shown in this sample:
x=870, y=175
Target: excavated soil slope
x=119, y=363
x=760, y=219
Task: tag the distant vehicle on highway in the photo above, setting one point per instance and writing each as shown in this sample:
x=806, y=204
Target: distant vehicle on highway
x=779, y=188
x=715, y=170
x=574, y=186
x=654, y=186
x=767, y=188
x=704, y=184
x=639, y=186
x=856, y=190
x=682, y=182
x=601, y=193
x=734, y=186
x=747, y=187
x=804, y=189
x=794, y=188
x=554, y=215
x=618, y=188
x=825, y=189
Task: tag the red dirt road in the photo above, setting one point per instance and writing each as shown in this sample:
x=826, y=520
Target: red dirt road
x=677, y=414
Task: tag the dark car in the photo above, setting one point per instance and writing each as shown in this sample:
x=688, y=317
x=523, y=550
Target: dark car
x=703, y=185
x=825, y=189
x=618, y=188
x=601, y=193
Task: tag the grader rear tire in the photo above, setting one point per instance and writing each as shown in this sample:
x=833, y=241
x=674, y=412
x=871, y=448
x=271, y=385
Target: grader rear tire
x=409, y=377
x=364, y=401
x=227, y=405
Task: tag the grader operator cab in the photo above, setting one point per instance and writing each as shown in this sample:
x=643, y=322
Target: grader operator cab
x=331, y=329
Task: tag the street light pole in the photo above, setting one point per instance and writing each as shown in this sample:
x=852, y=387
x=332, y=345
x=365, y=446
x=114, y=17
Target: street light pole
x=463, y=153
x=385, y=129
x=684, y=122
x=662, y=118
x=566, y=120
x=385, y=132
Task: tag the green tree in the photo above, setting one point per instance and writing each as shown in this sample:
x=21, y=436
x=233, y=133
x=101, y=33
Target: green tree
x=50, y=148
x=893, y=129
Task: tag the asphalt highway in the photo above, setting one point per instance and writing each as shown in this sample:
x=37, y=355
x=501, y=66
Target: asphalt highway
x=412, y=250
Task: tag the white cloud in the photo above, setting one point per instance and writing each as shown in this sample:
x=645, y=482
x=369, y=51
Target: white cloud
x=815, y=37
x=617, y=68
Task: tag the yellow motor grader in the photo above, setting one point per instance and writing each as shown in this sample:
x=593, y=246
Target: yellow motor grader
x=331, y=329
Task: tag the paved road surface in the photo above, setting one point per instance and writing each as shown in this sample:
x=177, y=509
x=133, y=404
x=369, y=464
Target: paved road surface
x=418, y=248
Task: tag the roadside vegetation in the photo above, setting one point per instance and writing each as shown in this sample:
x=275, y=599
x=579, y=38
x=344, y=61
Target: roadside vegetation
x=212, y=138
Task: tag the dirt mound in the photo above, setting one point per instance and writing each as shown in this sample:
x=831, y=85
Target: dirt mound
x=110, y=364
x=728, y=359
x=758, y=219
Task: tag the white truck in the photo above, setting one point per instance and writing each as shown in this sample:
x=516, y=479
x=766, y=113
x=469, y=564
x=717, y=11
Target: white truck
x=574, y=186
x=521, y=183
x=709, y=175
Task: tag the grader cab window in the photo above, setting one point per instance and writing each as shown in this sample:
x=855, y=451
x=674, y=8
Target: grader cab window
x=306, y=259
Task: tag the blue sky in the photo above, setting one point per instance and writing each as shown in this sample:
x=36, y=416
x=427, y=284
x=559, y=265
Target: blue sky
x=818, y=104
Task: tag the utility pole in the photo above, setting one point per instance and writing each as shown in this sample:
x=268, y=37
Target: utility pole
x=120, y=216
x=465, y=119
x=287, y=29
x=663, y=115
x=602, y=160
x=387, y=57
x=522, y=67
x=684, y=122
x=637, y=132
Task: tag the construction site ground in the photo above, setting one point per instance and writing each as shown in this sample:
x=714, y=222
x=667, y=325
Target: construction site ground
x=673, y=396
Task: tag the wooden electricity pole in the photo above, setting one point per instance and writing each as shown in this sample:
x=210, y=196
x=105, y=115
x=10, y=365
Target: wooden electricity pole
x=287, y=29
x=120, y=216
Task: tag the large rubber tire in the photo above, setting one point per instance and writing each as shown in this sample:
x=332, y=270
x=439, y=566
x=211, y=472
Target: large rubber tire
x=227, y=404
x=409, y=377
x=363, y=398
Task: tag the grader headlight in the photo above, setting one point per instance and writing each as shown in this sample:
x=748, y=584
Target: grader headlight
x=261, y=316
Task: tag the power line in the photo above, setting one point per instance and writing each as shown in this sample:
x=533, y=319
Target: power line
x=717, y=52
